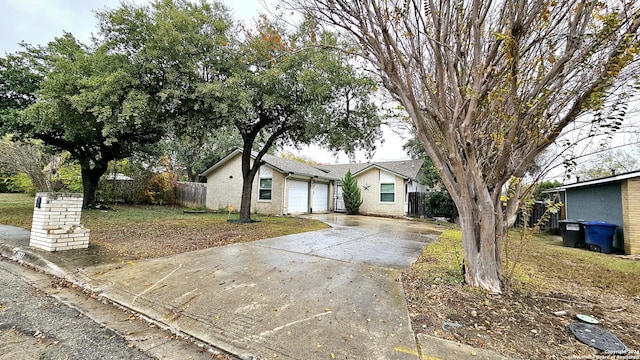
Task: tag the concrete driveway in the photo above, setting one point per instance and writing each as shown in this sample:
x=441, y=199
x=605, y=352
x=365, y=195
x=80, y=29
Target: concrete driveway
x=402, y=228
x=333, y=293
x=384, y=242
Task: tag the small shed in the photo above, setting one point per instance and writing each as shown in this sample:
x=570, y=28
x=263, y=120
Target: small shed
x=614, y=199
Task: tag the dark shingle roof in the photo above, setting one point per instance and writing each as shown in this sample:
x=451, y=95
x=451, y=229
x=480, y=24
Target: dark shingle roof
x=296, y=167
x=278, y=163
x=404, y=168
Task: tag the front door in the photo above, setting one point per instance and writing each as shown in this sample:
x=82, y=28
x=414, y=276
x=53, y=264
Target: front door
x=339, y=206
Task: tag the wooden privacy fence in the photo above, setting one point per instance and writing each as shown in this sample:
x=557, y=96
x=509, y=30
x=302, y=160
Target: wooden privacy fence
x=537, y=212
x=191, y=194
x=416, y=204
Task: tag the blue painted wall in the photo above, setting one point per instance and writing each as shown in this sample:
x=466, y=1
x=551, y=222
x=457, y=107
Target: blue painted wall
x=597, y=203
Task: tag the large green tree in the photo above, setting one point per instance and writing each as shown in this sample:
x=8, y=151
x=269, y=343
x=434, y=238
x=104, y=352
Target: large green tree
x=194, y=154
x=89, y=103
x=488, y=85
x=181, y=48
x=273, y=86
x=293, y=90
x=20, y=77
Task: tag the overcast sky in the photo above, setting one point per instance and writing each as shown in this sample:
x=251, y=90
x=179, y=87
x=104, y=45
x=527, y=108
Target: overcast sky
x=37, y=22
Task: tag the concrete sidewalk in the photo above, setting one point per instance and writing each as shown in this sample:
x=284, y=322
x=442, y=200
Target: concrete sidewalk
x=333, y=293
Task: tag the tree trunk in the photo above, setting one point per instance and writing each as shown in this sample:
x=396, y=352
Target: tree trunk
x=90, y=180
x=481, y=246
x=191, y=174
x=248, y=175
x=245, y=204
x=482, y=223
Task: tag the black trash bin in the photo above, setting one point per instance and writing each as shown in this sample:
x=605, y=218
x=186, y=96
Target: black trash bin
x=572, y=233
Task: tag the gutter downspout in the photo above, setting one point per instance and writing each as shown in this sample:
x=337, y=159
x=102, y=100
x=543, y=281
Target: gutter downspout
x=284, y=194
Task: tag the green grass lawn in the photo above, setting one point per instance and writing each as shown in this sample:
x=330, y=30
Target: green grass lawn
x=16, y=210
x=543, y=262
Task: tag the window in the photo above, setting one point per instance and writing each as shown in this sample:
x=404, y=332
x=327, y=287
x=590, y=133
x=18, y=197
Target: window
x=387, y=187
x=387, y=192
x=265, y=189
x=265, y=184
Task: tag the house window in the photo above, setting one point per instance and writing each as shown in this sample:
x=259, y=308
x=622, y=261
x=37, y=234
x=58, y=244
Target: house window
x=265, y=184
x=387, y=187
x=387, y=192
x=265, y=189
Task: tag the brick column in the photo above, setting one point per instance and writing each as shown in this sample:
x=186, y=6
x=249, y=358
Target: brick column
x=631, y=216
x=56, y=222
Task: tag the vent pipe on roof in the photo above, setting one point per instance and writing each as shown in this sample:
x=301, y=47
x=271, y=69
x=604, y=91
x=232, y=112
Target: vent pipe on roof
x=613, y=172
x=577, y=178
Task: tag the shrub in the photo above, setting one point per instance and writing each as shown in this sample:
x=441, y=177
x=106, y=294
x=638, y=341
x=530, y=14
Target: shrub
x=440, y=204
x=69, y=177
x=161, y=188
x=21, y=182
x=7, y=185
x=351, y=194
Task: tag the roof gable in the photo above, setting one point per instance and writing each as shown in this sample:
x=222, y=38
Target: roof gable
x=222, y=161
x=279, y=164
x=295, y=167
x=408, y=169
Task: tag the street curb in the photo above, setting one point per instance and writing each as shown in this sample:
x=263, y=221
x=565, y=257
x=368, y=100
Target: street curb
x=28, y=257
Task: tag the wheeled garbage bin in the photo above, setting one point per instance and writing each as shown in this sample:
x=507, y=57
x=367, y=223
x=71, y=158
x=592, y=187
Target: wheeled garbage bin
x=598, y=236
x=572, y=233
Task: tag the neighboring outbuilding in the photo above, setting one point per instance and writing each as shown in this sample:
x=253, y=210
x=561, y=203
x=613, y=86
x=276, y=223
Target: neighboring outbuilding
x=614, y=199
x=285, y=186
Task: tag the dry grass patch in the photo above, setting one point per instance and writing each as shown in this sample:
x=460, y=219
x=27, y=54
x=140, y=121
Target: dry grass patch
x=520, y=323
x=126, y=233
x=150, y=232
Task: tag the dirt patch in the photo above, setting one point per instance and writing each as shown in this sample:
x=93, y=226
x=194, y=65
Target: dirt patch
x=521, y=323
x=515, y=324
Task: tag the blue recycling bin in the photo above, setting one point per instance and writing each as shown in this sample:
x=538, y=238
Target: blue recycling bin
x=598, y=236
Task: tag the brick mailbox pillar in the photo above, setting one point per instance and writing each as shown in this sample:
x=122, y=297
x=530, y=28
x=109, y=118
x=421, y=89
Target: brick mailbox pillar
x=56, y=222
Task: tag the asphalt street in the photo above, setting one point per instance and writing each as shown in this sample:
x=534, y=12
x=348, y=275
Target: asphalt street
x=39, y=320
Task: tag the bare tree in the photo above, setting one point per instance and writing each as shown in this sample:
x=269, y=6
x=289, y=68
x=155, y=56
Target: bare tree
x=488, y=86
x=28, y=158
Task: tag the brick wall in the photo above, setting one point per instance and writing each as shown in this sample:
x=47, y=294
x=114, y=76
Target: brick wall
x=631, y=215
x=56, y=222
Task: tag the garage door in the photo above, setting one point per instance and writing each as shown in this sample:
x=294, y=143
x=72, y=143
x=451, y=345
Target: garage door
x=320, y=197
x=298, y=196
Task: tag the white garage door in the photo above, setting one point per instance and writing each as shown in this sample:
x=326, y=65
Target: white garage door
x=320, y=197
x=298, y=196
